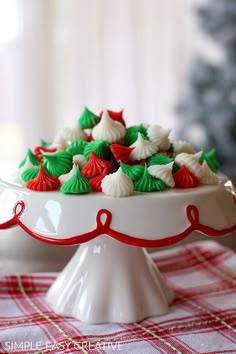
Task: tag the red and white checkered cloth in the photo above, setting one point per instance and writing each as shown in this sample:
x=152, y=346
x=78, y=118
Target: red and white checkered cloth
x=202, y=318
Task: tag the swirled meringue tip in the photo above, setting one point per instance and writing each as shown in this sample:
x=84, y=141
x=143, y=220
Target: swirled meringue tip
x=142, y=149
x=131, y=134
x=76, y=184
x=117, y=184
x=160, y=136
x=183, y=146
x=88, y=119
x=191, y=162
x=108, y=129
x=211, y=160
x=115, y=115
x=208, y=176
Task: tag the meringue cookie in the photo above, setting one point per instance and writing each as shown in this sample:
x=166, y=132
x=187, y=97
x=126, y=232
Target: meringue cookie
x=73, y=134
x=163, y=172
x=183, y=146
x=66, y=176
x=208, y=176
x=159, y=136
x=198, y=155
x=79, y=160
x=108, y=129
x=117, y=184
x=191, y=162
x=60, y=142
x=142, y=149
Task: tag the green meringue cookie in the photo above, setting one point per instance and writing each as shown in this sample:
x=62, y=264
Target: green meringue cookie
x=100, y=147
x=30, y=173
x=77, y=184
x=211, y=159
x=147, y=183
x=77, y=147
x=132, y=171
x=58, y=163
x=88, y=119
x=33, y=159
x=159, y=159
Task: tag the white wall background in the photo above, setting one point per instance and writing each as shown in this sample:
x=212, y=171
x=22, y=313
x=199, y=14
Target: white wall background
x=58, y=55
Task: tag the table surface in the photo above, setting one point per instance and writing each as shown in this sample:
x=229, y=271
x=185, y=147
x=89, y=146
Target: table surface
x=202, y=318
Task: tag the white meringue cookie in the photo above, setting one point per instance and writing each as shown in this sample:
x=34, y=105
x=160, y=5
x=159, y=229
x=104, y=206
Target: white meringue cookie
x=198, y=154
x=66, y=176
x=164, y=172
x=183, y=146
x=208, y=176
x=73, y=133
x=59, y=142
x=79, y=160
x=191, y=162
x=117, y=184
x=108, y=129
x=159, y=136
x=142, y=149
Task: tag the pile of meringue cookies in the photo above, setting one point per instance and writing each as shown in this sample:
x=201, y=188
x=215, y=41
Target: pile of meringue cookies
x=100, y=154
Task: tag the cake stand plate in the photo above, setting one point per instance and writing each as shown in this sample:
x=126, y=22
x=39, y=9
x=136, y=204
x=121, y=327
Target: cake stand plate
x=111, y=278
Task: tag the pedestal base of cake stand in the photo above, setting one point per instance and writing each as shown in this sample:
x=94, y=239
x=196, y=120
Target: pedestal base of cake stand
x=108, y=281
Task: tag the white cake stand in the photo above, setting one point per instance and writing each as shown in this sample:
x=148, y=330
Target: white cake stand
x=111, y=278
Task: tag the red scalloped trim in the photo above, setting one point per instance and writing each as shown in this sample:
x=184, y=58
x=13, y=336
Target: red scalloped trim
x=192, y=214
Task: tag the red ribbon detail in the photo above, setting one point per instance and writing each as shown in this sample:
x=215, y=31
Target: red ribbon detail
x=103, y=220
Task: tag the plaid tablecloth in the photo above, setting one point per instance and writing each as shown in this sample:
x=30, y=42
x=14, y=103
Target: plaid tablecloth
x=202, y=318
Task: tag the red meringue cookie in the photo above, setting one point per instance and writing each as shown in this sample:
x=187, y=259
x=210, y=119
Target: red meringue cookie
x=96, y=166
x=184, y=178
x=121, y=153
x=43, y=182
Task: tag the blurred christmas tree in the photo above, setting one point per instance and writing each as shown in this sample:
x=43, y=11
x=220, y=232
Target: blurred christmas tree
x=208, y=110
